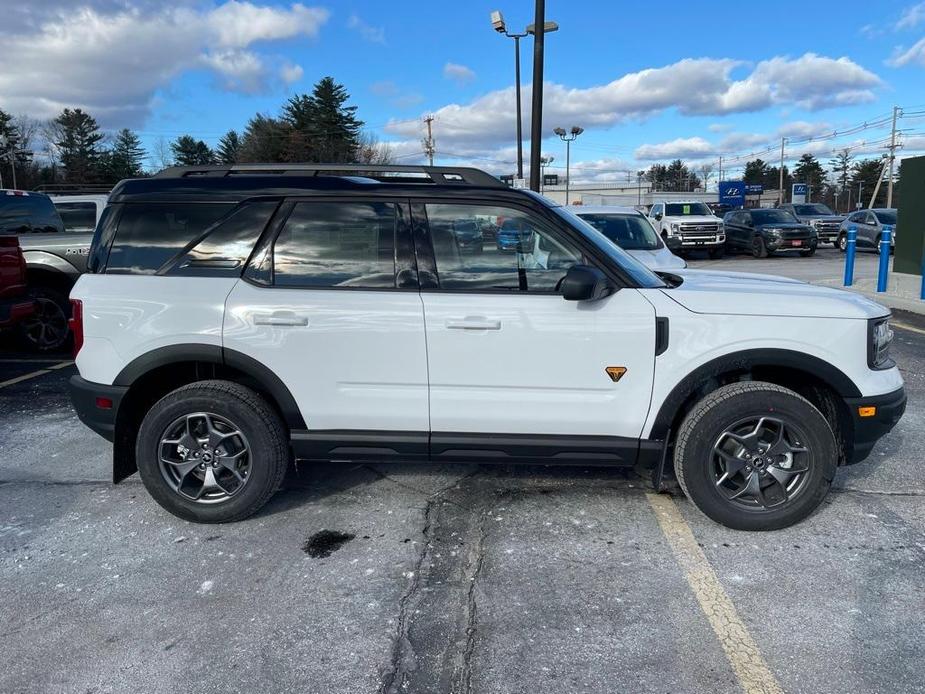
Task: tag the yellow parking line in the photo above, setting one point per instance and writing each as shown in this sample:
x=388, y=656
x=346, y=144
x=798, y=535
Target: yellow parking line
x=903, y=326
x=24, y=377
x=753, y=673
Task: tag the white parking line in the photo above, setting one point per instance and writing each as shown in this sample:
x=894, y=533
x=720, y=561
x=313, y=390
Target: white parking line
x=34, y=374
x=903, y=326
x=753, y=673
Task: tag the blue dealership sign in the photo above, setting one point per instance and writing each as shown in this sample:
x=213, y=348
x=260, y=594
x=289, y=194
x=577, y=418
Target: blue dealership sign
x=754, y=189
x=732, y=193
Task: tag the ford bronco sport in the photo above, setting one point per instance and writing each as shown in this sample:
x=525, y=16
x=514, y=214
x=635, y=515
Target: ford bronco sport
x=237, y=318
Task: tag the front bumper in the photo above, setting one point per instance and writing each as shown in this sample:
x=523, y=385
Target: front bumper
x=97, y=404
x=866, y=431
x=14, y=310
x=677, y=241
x=798, y=243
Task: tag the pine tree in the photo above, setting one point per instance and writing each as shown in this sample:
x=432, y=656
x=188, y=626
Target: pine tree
x=188, y=151
x=321, y=126
x=864, y=175
x=229, y=147
x=809, y=170
x=264, y=140
x=755, y=172
x=125, y=157
x=77, y=138
x=840, y=166
x=8, y=134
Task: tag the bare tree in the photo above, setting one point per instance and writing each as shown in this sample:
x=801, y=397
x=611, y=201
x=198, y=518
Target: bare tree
x=706, y=171
x=371, y=151
x=162, y=154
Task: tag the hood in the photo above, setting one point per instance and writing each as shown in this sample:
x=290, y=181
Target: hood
x=659, y=259
x=785, y=226
x=823, y=217
x=745, y=294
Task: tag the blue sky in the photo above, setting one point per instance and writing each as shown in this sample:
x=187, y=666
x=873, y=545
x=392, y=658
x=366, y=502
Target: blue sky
x=648, y=83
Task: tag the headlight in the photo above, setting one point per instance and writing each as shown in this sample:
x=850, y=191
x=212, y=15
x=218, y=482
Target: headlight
x=675, y=227
x=773, y=232
x=720, y=227
x=879, y=339
x=813, y=223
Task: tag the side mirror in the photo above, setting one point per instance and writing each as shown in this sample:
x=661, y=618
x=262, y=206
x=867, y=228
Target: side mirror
x=658, y=217
x=585, y=283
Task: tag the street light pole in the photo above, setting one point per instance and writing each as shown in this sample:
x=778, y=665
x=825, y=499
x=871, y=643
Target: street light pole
x=536, y=115
x=497, y=21
x=544, y=162
x=568, y=138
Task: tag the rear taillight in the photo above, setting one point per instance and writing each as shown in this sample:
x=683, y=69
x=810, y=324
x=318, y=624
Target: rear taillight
x=76, y=324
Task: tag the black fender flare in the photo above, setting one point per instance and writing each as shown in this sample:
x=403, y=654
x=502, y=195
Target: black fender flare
x=744, y=361
x=214, y=354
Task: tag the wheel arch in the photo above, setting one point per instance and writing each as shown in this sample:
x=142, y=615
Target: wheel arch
x=154, y=374
x=820, y=382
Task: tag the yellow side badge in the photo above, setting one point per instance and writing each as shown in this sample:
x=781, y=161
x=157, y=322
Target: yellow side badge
x=615, y=372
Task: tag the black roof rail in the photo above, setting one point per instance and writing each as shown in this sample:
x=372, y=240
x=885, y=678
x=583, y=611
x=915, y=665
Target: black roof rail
x=385, y=173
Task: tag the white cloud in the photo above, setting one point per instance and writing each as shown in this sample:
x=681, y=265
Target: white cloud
x=111, y=63
x=458, y=73
x=701, y=86
x=912, y=17
x=679, y=148
x=367, y=31
x=908, y=56
x=291, y=74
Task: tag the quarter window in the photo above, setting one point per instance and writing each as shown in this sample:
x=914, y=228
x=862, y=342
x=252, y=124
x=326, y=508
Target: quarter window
x=328, y=244
x=77, y=216
x=487, y=248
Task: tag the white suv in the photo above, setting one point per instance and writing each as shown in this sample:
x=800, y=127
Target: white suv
x=689, y=225
x=237, y=318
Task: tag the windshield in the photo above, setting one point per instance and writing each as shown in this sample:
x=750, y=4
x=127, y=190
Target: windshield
x=631, y=232
x=687, y=209
x=639, y=273
x=886, y=216
x=813, y=210
x=772, y=217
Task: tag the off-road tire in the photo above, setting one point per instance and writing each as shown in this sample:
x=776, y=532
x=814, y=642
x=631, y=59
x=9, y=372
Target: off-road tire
x=265, y=433
x=706, y=422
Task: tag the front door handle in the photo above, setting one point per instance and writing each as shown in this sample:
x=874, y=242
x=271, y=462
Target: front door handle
x=473, y=323
x=281, y=319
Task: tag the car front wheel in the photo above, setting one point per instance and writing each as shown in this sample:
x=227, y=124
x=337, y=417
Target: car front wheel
x=759, y=249
x=755, y=456
x=212, y=452
x=842, y=242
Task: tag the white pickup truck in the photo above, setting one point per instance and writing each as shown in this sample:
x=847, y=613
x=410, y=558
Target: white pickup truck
x=686, y=225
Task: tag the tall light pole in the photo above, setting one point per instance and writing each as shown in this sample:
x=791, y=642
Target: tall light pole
x=567, y=138
x=497, y=21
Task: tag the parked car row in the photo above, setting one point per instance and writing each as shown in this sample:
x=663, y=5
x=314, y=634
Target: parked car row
x=54, y=234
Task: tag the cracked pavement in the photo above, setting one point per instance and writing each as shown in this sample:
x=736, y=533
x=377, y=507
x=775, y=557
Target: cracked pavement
x=458, y=578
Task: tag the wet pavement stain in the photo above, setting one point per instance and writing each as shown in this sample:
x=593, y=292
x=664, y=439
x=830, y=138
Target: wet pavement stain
x=325, y=542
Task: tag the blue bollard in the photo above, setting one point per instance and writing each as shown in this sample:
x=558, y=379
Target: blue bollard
x=884, y=272
x=922, y=293
x=850, y=249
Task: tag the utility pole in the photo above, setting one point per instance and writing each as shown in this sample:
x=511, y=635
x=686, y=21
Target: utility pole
x=536, y=117
x=780, y=194
x=720, y=172
x=889, y=189
x=428, y=142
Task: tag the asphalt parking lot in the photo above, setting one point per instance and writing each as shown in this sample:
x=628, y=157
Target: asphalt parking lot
x=465, y=578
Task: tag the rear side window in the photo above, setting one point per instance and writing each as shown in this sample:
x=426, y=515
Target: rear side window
x=225, y=247
x=77, y=216
x=26, y=214
x=151, y=234
x=342, y=244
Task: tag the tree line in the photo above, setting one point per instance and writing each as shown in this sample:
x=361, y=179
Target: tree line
x=320, y=126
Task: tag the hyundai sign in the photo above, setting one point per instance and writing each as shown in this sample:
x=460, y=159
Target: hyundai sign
x=800, y=193
x=732, y=193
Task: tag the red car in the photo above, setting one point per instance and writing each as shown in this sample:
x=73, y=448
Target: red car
x=15, y=302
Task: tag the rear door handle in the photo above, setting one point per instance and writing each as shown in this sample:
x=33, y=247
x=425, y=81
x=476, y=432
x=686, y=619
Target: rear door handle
x=281, y=319
x=473, y=323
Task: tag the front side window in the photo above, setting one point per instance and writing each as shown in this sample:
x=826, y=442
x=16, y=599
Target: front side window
x=337, y=244
x=631, y=232
x=523, y=254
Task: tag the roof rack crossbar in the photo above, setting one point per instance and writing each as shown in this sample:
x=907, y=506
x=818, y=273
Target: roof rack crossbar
x=397, y=173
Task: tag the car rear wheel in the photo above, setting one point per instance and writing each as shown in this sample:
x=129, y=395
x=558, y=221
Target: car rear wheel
x=212, y=452
x=755, y=456
x=46, y=330
x=759, y=249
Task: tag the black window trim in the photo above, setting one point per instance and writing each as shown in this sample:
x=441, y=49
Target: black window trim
x=427, y=259
x=400, y=246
